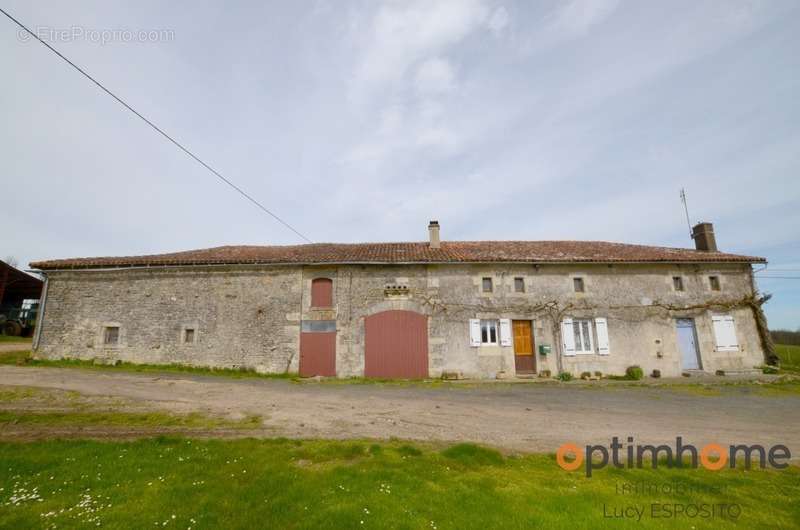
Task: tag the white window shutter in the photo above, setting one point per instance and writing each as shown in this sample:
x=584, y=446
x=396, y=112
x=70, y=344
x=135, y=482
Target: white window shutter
x=601, y=325
x=732, y=343
x=505, y=332
x=725, y=333
x=718, y=323
x=567, y=336
x=474, y=332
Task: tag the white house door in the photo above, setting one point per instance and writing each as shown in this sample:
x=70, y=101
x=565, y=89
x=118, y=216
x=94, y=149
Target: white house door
x=687, y=343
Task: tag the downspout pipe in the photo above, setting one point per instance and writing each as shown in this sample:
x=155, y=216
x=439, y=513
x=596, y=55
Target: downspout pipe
x=37, y=334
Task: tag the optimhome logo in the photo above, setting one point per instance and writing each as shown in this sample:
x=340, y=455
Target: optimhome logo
x=597, y=456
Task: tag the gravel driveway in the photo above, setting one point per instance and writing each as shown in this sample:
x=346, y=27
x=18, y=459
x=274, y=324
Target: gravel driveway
x=524, y=417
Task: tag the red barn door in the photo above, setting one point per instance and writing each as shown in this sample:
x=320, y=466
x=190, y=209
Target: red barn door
x=396, y=345
x=318, y=354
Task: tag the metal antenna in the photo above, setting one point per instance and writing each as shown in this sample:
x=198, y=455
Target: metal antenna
x=686, y=209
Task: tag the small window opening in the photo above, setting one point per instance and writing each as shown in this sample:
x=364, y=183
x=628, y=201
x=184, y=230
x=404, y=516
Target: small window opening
x=519, y=285
x=188, y=335
x=111, y=335
x=714, y=282
x=577, y=283
x=487, y=285
x=677, y=283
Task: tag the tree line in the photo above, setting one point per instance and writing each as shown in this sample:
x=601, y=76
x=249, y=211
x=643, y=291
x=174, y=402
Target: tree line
x=784, y=336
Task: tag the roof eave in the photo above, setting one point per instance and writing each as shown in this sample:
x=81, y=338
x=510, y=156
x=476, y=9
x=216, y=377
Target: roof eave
x=42, y=266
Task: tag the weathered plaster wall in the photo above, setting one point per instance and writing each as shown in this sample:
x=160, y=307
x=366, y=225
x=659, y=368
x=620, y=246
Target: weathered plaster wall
x=630, y=297
x=250, y=316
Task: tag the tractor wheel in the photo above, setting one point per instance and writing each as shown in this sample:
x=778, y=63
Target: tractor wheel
x=12, y=329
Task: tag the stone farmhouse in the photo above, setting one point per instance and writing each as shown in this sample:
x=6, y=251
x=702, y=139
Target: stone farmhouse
x=480, y=309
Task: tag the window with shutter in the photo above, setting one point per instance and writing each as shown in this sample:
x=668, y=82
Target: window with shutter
x=322, y=292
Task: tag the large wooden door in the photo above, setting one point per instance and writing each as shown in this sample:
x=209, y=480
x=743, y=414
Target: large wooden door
x=318, y=354
x=396, y=345
x=524, y=359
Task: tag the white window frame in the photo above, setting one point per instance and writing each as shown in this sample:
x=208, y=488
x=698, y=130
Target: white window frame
x=579, y=348
x=491, y=324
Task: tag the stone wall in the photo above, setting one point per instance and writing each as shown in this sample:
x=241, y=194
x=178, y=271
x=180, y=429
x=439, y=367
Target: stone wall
x=250, y=316
x=241, y=317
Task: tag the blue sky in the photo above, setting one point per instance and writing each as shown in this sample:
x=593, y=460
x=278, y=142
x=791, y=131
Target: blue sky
x=360, y=121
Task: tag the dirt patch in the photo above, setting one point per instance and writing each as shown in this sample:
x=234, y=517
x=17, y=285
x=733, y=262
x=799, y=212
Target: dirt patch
x=517, y=417
x=14, y=346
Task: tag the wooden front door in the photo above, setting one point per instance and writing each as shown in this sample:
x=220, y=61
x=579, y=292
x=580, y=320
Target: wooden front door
x=524, y=359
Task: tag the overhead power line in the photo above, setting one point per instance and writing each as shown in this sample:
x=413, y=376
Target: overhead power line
x=157, y=128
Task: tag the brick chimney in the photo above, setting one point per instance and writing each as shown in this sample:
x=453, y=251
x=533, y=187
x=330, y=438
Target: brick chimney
x=703, y=235
x=433, y=231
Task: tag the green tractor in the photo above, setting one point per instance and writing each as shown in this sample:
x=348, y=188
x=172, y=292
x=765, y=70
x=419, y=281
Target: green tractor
x=19, y=301
x=19, y=322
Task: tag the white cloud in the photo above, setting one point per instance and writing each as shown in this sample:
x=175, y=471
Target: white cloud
x=435, y=76
x=499, y=20
x=569, y=20
x=400, y=34
x=577, y=16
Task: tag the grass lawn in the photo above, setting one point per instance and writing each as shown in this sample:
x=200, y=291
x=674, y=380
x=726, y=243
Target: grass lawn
x=125, y=419
x=181, y=483
x=789, y=356
x=6, y=339
x=24, y=358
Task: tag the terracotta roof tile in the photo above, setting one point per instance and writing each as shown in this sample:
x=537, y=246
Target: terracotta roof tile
x=450, y=252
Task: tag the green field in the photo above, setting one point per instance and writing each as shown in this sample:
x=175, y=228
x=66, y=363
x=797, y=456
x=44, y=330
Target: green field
x=789, y=356
x=180, y=483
